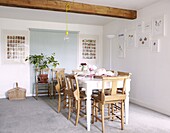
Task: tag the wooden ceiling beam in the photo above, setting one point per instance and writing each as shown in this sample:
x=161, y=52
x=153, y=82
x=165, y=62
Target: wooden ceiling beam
x=59, y=5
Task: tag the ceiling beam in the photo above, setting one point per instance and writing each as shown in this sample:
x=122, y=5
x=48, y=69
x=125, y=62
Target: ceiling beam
x=59, y=5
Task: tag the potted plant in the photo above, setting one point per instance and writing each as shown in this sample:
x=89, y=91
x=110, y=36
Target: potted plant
x=40, y=63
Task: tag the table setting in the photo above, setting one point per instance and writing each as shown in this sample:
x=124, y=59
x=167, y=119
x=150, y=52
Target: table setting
x=92, y=71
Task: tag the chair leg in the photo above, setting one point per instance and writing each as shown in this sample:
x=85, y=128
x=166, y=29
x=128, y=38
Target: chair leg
x=65, y=98
x=80, y=105
x=74, y=103
x=36, y=91
x=102, y=113
x=96, y=110
x=109, y=110
x=54, y=92
x=59, y=102
x=113, y=111
x=122, y=115
x=85, y=108
x=93, y=111
x=69, y=109
x=78, y=112
x=49, y=90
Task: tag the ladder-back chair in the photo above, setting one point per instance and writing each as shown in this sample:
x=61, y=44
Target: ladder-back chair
x=111, y=98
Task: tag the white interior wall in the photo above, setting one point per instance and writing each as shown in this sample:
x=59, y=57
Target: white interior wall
x=20, y=73
x=149, y=85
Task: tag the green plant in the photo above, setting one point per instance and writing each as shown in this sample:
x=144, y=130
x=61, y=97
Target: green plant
x=41, y=61
x=36, y=60
x=51, y=60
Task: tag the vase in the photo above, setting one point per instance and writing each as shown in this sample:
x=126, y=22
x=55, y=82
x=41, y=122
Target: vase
x=43, y=78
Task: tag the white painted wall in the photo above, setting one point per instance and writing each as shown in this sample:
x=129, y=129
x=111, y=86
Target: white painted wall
x=21, y=72
x=48, y=42
x=150, y=79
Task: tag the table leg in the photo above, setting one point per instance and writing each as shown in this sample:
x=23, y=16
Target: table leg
x=127, y=109
x=127, y=102
x=88, y=107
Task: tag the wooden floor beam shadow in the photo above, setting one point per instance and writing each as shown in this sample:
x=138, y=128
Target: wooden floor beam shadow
x=59, y=5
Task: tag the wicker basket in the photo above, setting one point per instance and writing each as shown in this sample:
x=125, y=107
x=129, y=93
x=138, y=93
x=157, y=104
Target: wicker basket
x=17, y=93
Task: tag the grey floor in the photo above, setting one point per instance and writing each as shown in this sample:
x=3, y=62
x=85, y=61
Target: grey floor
x=40, y=116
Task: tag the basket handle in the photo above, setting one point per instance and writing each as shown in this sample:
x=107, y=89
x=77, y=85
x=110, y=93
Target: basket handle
x=16, y=85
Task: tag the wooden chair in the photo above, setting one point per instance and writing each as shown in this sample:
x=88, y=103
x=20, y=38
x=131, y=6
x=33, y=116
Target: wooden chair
x=119, y=90
x=42, y=86
x=60, y=87
x=75, y=96
x=55, y=72
x=110, y=99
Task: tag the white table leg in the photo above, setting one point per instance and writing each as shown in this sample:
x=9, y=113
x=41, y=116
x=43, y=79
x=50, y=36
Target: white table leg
x=88, y=107
x=127, y=102
x=127, y=109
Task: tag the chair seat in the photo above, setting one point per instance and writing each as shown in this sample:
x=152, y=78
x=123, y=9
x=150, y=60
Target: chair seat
x=108, y=99
x=82, y=95
x=69, y=93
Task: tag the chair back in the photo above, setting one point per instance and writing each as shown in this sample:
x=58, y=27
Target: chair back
x=54, y=71
x=124, y=73
x=120, y=73
x=72, y=84
x=60, y=77
x=111, y=83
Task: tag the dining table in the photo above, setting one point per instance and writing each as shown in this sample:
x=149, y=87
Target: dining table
x=89, y=84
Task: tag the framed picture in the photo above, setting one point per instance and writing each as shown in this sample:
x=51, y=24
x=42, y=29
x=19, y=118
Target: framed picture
x=155, y=45
x=148, y=27
x=130, y=39
x=158, y=26
x=121, y=45
x=143, y=40
x=88, y=47
x=14, y=46
x=140, y=26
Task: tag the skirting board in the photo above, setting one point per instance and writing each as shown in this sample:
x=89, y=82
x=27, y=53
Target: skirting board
x=4, y=96
x=152, y=107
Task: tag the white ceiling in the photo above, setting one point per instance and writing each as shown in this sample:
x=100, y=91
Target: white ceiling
x=52, y=16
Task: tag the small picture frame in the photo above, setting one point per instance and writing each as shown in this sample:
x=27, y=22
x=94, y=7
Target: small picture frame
x=130, y=39
x=158, y=26
x=121, y=45
x=140, y=26
x=155, y=45
x=148, y=27
x=143, y=40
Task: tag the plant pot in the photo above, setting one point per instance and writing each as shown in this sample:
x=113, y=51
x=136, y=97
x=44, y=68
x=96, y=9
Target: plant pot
x=43, y=78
